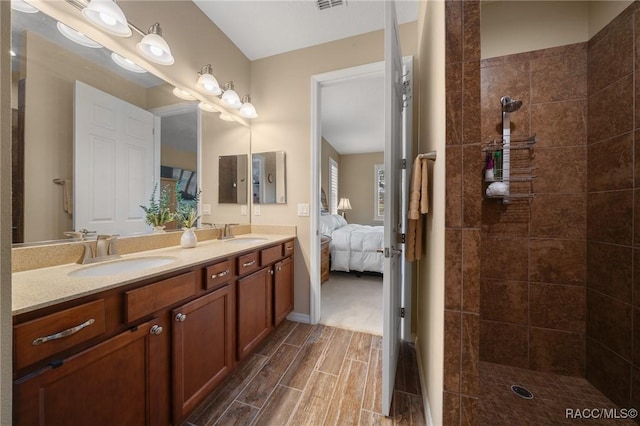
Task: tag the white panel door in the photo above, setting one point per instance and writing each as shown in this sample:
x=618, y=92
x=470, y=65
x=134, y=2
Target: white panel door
x=113, y=163
x=392, y=280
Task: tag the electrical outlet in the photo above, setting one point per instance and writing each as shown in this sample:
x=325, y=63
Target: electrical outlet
x=243, y=210
x=303, y=209
x=256, y=210
x=206, y=209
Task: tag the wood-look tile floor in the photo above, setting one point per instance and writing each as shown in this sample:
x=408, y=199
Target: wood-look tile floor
x=314, y=375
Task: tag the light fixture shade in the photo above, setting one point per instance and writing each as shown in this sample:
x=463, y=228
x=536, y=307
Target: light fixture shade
x=226, y=116
x=247, y=109
x=155, y=48
x=183, y=94
x=127, y=64
x=208, y=82
x=229, y=97
x=77, y=37
x=207, y=107
x=344, y=204
x=108, y=16
x=22, y=6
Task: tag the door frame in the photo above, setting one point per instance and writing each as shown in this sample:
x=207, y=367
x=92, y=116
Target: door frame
x=318, y=82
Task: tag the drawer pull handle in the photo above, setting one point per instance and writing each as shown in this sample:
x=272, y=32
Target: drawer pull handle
x=181, y=317
x=221, y=274
x=156, y=329
x=289, y=248
x=64, y=333
x=253, y=262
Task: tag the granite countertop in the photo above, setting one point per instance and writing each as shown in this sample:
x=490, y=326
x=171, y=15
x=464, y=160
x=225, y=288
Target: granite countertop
x=39, y=288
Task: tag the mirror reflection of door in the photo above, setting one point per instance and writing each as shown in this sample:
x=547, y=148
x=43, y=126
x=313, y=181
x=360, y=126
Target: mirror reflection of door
x=232, y=180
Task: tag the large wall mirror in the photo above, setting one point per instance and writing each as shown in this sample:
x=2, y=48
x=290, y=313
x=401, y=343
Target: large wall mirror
x=268, y=177
x=187, y=142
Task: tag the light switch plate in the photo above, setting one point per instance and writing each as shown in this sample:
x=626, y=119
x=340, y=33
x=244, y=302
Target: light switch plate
x=303, y=209
x=206, y=209
x=256, y=210
x=243, y=210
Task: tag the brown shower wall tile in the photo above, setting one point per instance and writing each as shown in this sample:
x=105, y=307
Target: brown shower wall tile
x=557, y=352
x=635, y=388
x=608, y=372
x=504, y=301
x=558, y=307
x=506, y=220
x=559, y=78
x=453, y=197
x=454, y=115
x=558, y=216
x=611, y=164
x=470, y=354
x=468, y=411
x=558, y=261
x=611, y=110
x=505, y=258
x=452, y=350
x=471, y=270
x=636, y=217
x=473, y=162
x=611, y=58
x=504, y=344
x=509, y=79
x=450, y=408
x=453, y=269
x=471, y=102
x=453, y=28
x=610, y=217
x=471, y=30
x=609, y=322
x=559, y=170
x=610, y=269
x=636, y=158
x=636, y=341
x=560, y=124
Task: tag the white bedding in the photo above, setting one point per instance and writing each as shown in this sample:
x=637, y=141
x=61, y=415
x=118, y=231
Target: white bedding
x=353, y=247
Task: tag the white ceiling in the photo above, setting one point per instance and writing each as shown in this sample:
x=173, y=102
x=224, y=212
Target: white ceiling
x=352, y=112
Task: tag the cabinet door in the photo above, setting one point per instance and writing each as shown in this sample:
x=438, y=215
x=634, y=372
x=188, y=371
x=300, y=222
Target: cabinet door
x=202, y=348
x=282, y=289
x=110, y=383
x=254, y=310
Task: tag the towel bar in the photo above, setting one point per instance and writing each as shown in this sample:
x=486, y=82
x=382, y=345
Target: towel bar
x=429, y=155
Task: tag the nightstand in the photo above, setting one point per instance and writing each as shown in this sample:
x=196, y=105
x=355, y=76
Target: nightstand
x=324, y=259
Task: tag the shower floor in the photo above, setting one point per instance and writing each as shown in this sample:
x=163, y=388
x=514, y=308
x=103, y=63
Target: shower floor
x=553, y=395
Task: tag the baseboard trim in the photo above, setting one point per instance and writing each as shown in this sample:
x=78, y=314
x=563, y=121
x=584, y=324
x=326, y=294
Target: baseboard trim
x=297, y=317
x=423, y=386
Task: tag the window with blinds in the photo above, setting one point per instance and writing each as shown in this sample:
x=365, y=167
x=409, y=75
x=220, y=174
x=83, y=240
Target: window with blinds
x=333, y=186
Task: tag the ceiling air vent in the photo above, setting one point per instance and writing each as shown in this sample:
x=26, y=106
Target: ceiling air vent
x=328, y=4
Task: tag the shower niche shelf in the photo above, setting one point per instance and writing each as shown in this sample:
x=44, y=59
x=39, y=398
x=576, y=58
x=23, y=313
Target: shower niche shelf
x=512, y=173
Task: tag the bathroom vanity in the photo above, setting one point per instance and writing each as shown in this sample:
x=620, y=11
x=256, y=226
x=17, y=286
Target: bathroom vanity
x=145, y=347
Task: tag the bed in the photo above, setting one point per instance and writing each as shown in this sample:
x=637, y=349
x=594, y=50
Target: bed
x=353, y=247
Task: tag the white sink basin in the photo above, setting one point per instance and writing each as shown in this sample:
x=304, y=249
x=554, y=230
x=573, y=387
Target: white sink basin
x=246, y=240
x=122, y=266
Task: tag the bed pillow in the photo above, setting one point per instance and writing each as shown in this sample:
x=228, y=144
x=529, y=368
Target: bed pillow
x=331, y=222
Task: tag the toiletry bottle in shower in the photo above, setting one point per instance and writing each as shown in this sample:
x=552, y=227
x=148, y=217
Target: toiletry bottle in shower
x=497, y=167
x=488, y=168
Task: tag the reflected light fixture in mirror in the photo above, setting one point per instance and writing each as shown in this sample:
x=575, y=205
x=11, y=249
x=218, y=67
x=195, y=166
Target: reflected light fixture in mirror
x=208, y=82
x=76, y=36
x=207, y=107
x=226, y=116
x=183, y=94
x=154, y=47
x=107, y=15
x=229, y=97
x=21, y=6
x=247, y=110
x=127, y=64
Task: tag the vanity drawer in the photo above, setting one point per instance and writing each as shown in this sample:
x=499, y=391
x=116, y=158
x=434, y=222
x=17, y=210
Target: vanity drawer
x=219, y=273
x=153, y=297
x=270, y=255
x=288, y=248
x=40, y=338
x=248, y=263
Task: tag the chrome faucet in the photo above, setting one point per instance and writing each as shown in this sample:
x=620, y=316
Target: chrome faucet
x=226, y=231
x=80, y=235
x=105, y=250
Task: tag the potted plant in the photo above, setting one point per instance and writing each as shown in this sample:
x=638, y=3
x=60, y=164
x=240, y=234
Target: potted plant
x=186, y=215
x=158, y=213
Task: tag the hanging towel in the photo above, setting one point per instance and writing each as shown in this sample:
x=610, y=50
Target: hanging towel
x=418, y=206
x=67, y=196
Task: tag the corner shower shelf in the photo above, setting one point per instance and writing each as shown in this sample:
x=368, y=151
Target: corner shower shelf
x=520, y=170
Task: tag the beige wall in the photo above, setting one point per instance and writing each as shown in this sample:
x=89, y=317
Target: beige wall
x=327, y=150
x=283, y=82
x=6, y=366
x=50, y=75
x=357, y=183
x=431, y=136
x=172, y=157
x=510, y=27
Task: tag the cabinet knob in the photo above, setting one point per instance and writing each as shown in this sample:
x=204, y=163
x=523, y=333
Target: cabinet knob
x=271, y=271
x=156, y=329
x=279, y=268
x=181, y=317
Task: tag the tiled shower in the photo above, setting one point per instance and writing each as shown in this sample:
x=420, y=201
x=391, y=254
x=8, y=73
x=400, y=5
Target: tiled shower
x=556, y=288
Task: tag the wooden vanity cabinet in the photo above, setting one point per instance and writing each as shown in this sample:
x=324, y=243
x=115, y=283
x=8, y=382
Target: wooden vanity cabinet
x=109, y=383
x=282, y=289
x=254, y=311
x=202, y=350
